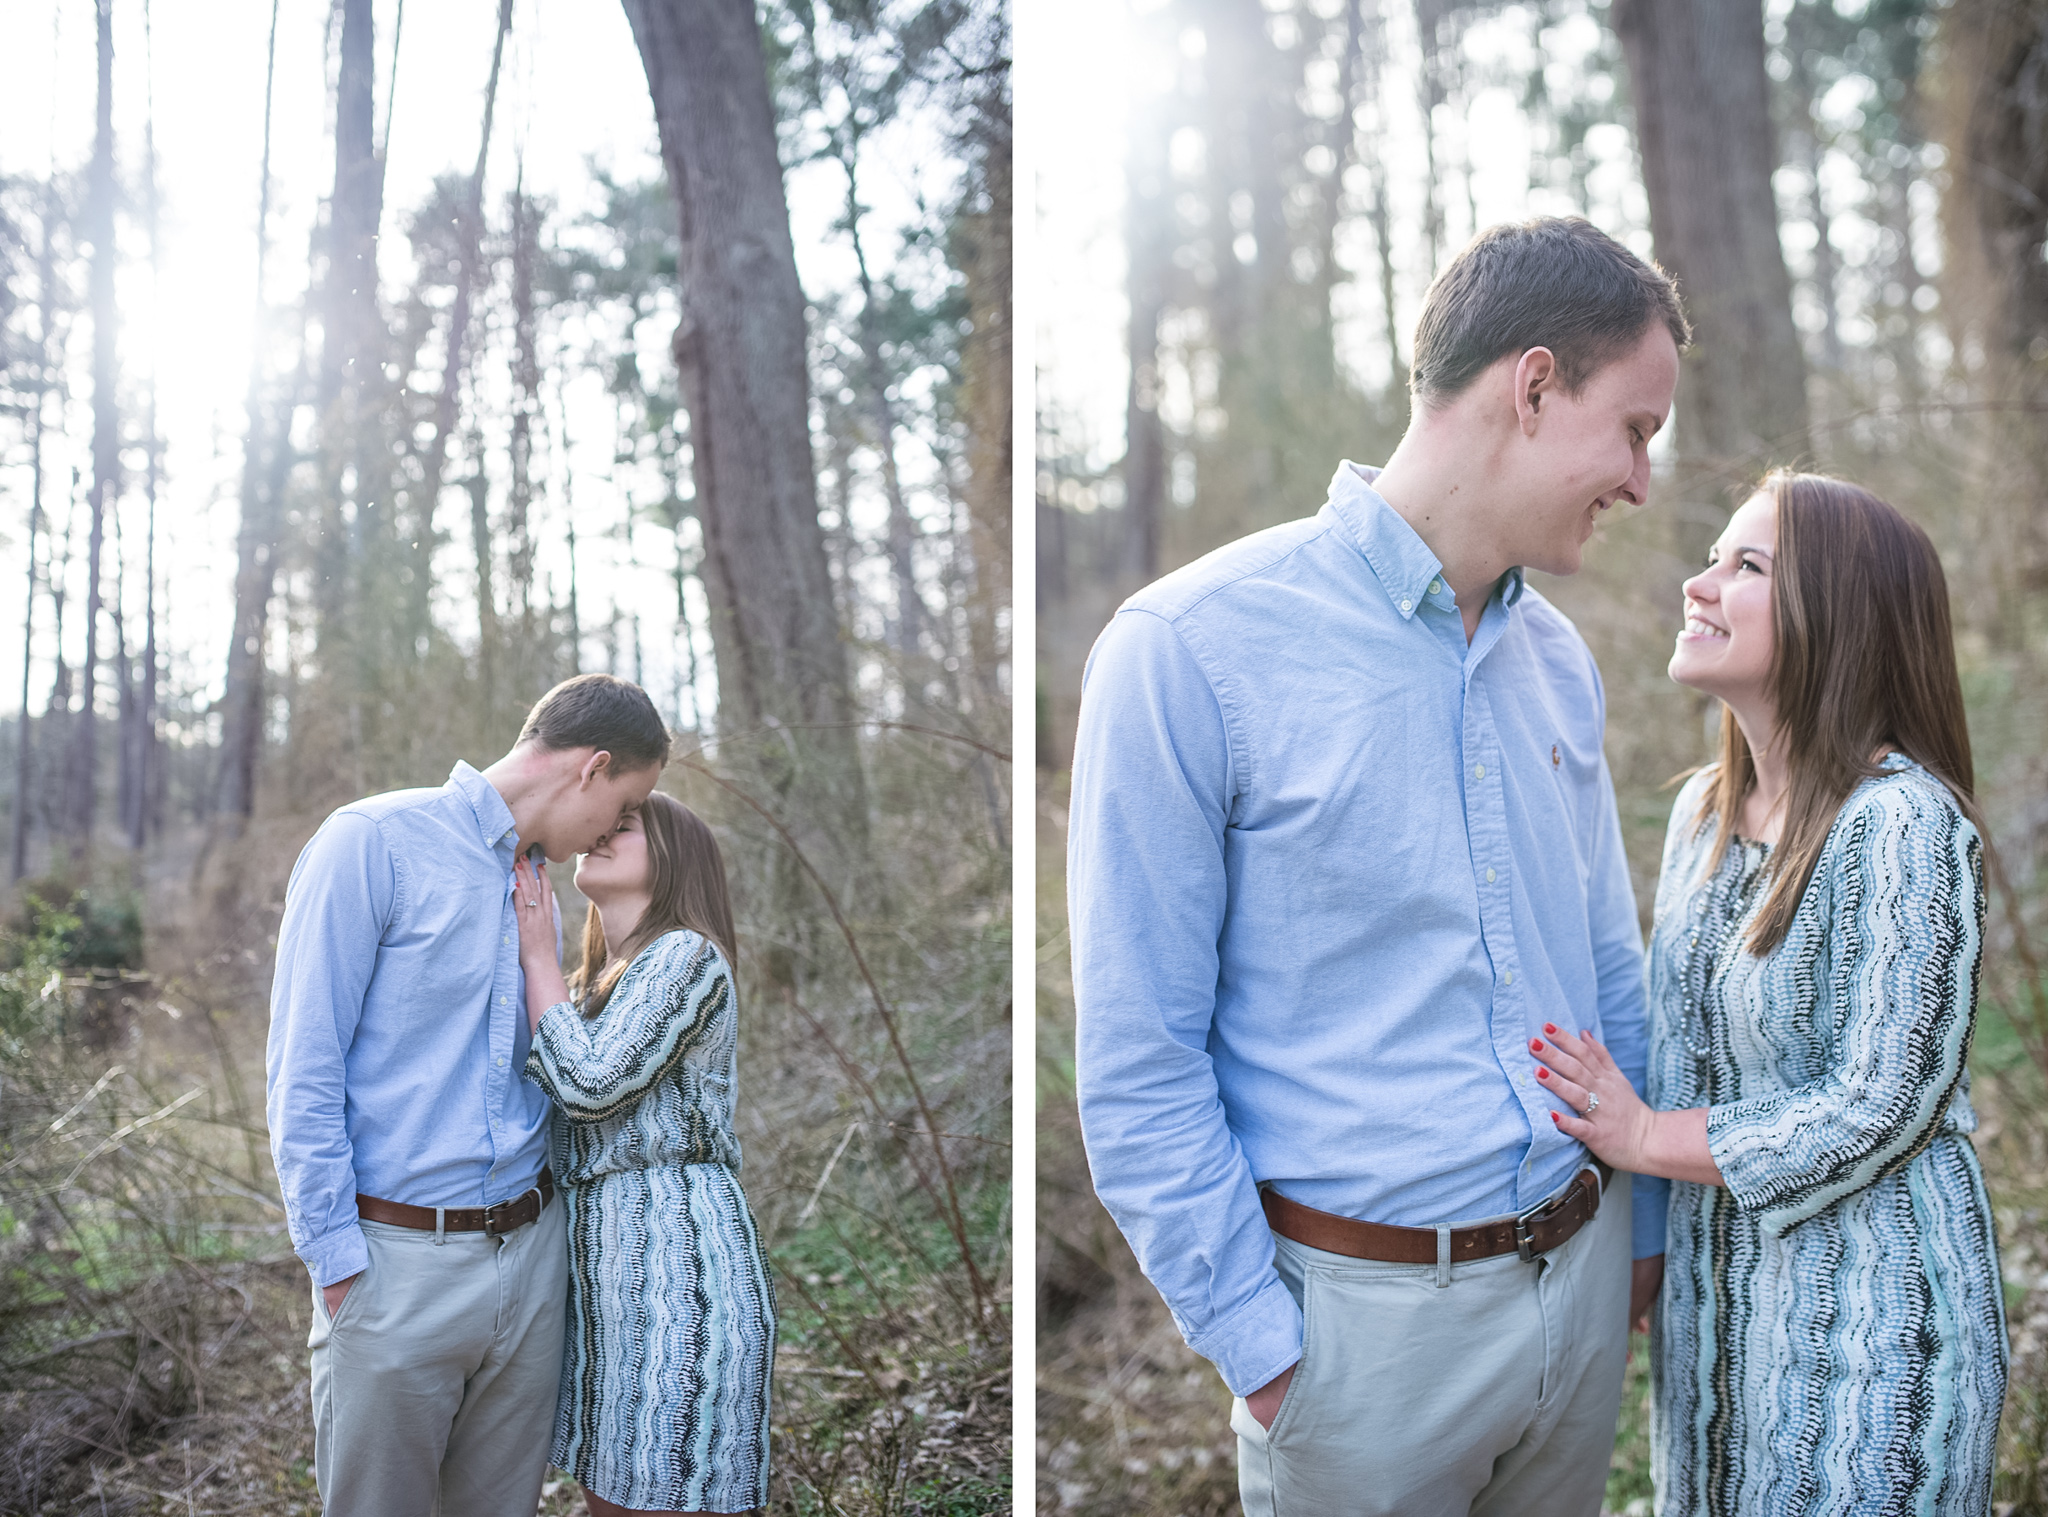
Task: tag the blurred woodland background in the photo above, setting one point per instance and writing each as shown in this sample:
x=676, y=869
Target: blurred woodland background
x=814, y=480
x=1853, y=196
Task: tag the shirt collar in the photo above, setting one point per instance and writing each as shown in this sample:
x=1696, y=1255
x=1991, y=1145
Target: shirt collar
x=493, y=816
x=1407, y=570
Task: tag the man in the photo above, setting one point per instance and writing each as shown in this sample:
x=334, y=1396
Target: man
x=409, y=1150
x=1342, y=842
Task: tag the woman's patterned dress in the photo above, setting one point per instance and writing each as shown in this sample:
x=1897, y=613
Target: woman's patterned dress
x=671, y=1325
x=1831, y=1333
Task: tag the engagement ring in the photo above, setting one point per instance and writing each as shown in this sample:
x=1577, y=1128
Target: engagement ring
x=1592, y=1104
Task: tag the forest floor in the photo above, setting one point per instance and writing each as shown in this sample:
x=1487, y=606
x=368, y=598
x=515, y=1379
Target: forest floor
x=1130, y=1419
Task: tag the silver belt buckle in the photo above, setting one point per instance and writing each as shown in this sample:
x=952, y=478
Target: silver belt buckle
x=495, y=1216
x=1525, y=1248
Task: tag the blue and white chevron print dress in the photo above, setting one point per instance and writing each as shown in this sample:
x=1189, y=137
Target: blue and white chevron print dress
x=1831, y=1333
x=671, y=1324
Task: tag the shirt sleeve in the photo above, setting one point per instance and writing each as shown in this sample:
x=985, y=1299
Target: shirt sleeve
x=336, y=908
x=596, y=1069
x=1618, y=973
x=1900, y=989
x=1146, y=891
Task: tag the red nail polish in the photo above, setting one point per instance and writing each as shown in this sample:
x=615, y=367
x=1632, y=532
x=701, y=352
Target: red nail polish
x=1550, y=1028
x=1542, y=1074
x=1553, y=1116
x=1536, y=1045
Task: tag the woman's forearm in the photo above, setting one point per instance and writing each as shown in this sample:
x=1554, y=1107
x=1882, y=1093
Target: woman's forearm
x=1675, y=1147
x=545, y=987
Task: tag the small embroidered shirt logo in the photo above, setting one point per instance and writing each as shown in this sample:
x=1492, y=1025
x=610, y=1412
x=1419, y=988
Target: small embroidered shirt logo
x=1556, y=758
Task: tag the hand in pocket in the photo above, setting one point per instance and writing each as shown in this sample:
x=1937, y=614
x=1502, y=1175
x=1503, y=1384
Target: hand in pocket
x=1264, y=1403
x=337, y=1293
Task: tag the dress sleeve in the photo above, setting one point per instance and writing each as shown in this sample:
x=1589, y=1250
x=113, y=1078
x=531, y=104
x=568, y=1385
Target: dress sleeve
x=595, y=1069
x=1901, y=997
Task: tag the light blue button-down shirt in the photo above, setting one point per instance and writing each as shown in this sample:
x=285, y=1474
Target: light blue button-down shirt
x=398, y=1019
x=1329, y=870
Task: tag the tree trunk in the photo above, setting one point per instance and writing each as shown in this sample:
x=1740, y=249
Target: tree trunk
x=911, y=614
x=1696, y=74
x=1429, y=24
x=146, y=756
x=46, y=311
x=1825, y=268
x=468, y=259
x=1149, y=235
x=741, y=350
x=143, y=739
x=106, y=428
x=128, y=708
x=525, y=405
x=234, y=791
x=59, y=705
x=479, y=487
x=347, y=629
x=1995, y=213
x=1383, y=247
x=981, y=250
x=22, y=767
x=1354, y=73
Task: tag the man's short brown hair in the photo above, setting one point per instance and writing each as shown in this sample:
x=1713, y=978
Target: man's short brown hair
x=1556, y=282
x=599, y=711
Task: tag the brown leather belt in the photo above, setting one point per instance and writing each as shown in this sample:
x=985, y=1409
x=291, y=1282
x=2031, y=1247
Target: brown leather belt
x=1532, y=1234
x=505, y=1217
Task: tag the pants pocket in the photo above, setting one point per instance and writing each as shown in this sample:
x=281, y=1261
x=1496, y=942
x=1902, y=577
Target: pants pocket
x=326, y=1323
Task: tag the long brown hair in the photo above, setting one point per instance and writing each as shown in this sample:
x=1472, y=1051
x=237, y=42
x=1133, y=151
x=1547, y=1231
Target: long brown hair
x=1864, y=661
x=686, y=889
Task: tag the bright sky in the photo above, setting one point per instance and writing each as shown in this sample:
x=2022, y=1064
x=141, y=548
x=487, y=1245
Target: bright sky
x=572, y=90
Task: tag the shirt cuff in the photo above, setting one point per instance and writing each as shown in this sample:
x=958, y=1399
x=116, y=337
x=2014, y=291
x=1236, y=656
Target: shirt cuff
x=1650, y=1207
x=339, y=1256
x=1254, y=1344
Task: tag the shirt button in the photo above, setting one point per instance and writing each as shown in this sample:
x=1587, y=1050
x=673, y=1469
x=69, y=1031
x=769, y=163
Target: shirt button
x=1511, y=980
x=501, y=999
x=1480, y=772
x=504, y=940
x=1435, y=585
x=1407, y=604
x=1489, y=876
x=501, y=1063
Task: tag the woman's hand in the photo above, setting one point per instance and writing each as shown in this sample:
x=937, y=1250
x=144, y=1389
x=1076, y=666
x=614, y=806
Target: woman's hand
x=1620, y=1128
x=1582, y=1075
x=533, y=907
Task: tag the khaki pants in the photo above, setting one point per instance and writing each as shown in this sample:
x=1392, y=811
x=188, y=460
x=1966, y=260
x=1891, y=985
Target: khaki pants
x=1494, y=1395
x=434, y=1386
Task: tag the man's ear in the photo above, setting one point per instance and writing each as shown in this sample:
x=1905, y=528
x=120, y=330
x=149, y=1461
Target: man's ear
x=1535, y=378
x=599, y=763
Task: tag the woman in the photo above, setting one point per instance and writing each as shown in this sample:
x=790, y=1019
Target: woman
x=1831, y=1333
x=671, y=1323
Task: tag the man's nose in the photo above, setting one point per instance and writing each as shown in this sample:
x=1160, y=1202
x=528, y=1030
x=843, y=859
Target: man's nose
x=1637, y=490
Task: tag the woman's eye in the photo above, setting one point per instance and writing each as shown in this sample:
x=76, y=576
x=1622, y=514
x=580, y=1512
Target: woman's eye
x=1749, y=563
